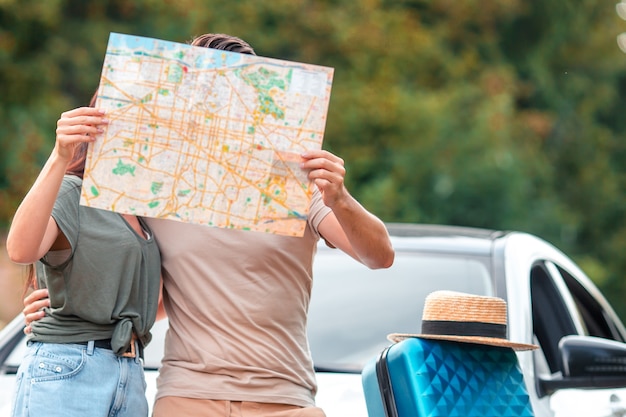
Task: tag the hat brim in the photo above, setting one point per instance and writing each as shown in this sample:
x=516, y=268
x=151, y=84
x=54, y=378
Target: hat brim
x=490, y=341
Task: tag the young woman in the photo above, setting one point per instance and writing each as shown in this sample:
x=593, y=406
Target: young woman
x=102, y=273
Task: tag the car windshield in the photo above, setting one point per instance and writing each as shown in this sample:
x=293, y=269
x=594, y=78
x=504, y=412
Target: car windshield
x=354, y=308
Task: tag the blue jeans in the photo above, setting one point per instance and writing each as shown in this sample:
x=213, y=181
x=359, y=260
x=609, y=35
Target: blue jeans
x=72, y=380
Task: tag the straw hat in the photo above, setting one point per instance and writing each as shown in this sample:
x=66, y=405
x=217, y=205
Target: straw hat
x=460, y=317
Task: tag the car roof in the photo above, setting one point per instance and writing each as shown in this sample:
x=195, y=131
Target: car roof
x=423, y=230
x=441, y=238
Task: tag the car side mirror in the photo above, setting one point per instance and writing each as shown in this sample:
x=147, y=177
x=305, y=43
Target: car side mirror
x=586, y=356
x=587, y=362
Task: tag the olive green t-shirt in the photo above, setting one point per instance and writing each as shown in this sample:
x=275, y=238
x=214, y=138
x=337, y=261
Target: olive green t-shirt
x=109, y=284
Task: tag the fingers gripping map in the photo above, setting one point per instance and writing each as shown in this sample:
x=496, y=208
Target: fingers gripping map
x=205, y=136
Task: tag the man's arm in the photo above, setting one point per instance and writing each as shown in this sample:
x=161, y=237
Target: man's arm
x=350, y=227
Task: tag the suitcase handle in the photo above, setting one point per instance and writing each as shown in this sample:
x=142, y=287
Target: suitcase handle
x=384, y=382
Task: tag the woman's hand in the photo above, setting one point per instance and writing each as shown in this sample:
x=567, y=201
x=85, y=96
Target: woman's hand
x=34, y=304
x=76, y=126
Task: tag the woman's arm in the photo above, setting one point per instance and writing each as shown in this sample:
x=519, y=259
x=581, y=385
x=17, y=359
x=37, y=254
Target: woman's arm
x=37, y=300
x=33, y=231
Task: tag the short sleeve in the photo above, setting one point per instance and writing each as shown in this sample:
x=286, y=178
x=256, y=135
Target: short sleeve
x=65, y=211
x=317, y=209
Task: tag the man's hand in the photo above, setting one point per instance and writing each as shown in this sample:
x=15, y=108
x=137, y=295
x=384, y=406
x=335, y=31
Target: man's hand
x=350, y=227
x=328, y=173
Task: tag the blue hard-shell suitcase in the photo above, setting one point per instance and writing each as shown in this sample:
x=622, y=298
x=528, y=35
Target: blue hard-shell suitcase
x=432, y=378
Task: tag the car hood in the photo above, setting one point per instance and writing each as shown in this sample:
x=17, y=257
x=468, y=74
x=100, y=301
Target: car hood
x=340, y=395
x=7, y=388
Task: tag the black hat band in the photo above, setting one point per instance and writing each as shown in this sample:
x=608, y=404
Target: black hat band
x=463, y=328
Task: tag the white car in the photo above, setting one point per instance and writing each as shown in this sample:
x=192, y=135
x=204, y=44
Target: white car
x=353, y=309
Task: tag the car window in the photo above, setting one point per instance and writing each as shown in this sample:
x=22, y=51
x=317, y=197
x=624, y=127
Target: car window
x=597, y=321
x=15, y=355
x=354, y=308
x=551, y=318
x=15, y=358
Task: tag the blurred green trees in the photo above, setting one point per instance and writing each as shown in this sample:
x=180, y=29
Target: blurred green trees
x=500, y=114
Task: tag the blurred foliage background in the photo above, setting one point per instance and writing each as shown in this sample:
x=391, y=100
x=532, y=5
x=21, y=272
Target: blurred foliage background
x=501, y=114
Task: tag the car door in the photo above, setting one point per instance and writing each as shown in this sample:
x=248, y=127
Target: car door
x=564, y=303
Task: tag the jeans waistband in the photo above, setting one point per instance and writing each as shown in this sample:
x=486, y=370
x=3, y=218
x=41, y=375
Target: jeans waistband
x=135, y=349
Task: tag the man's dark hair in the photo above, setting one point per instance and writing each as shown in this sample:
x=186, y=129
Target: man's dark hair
x=223, y=42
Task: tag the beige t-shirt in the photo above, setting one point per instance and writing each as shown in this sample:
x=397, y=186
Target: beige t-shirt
x=237, y=303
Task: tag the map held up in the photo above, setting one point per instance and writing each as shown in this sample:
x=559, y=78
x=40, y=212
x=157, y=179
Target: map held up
x=206, y=136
